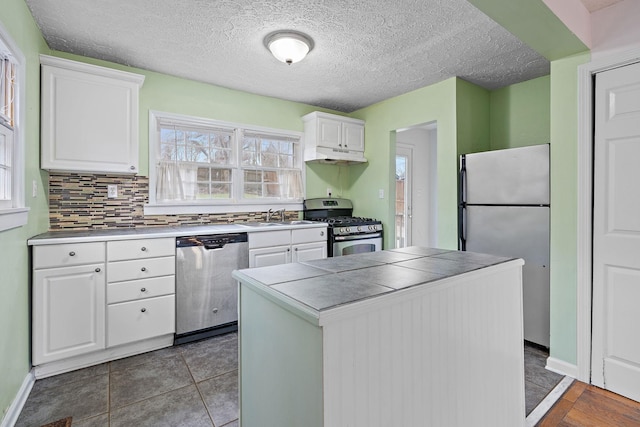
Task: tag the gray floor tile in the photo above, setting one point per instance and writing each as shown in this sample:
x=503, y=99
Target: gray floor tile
x=99, y=421
x=83, y=399
x=220, y=394
x=151, y=379
x=235, y=423
x=71, y=377
x=212, y=357
x=533, y=396
x=182, y=407
x=141, y=359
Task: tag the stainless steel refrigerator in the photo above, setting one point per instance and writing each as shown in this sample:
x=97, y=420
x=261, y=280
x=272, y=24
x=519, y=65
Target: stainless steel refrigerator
x=504, y=210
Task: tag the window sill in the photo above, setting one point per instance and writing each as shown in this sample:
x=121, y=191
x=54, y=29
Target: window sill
x=13, y=218
x=159, y=209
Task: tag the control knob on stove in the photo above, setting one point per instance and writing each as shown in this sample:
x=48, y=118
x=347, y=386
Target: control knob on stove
x=359, y=228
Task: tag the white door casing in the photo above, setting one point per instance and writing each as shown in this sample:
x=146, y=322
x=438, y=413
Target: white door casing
x=616, y=232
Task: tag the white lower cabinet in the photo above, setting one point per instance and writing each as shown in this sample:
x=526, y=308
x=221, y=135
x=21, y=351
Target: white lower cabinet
x=99, y=301
x=284, y=246
x=68, y=312
x=140, y=290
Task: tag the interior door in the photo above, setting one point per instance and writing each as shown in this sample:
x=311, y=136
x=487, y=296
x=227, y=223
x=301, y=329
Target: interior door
x=616, y=232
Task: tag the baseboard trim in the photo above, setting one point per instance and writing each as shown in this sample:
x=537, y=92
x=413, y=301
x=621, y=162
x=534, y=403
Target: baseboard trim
x=561, y=367
x=14, y=410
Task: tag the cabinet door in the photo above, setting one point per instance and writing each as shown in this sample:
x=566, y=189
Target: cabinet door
x=265, y=257
x=68, y=312
x=89, y=118
x=353, y=136
x=329, y=133
x=309, y=251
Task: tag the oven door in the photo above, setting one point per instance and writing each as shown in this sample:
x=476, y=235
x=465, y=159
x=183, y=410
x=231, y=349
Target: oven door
x=348, y=245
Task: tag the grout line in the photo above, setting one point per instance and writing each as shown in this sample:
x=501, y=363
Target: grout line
x=543, y=407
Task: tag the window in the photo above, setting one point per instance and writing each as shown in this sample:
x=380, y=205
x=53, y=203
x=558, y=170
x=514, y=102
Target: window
x=206, y=166
x=12, y=210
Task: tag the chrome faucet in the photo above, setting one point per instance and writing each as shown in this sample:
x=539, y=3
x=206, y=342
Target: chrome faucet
x=271, y=213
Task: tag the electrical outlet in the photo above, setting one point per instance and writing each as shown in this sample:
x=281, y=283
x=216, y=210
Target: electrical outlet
x=328, y=192
x=34, y=188
x=381, y=193
x=112, y=191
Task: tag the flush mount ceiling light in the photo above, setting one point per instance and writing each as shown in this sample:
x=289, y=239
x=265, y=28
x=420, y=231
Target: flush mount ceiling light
x=288, y=46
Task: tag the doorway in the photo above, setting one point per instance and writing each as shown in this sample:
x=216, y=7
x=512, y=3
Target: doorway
x=416, y=186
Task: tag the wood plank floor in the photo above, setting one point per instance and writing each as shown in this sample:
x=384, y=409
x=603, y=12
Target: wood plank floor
x=585, y=405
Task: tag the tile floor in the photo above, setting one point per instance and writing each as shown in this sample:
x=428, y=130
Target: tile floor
x=538, y=380
x=193, y=384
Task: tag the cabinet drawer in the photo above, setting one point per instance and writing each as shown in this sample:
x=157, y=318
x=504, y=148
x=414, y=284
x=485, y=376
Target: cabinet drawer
x=139, y=320
x=308, y=235
x=264, y=239
x=140, y=289
x=140, y=269
x=142, y=248
x=48, y=256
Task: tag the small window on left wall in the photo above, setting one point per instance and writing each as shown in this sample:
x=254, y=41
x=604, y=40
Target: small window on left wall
x=13, y=212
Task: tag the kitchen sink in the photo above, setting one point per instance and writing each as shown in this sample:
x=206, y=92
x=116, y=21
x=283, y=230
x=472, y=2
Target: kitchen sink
x=280, y=223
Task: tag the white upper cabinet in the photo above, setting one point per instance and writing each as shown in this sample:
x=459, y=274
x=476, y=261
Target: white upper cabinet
x=333, y=138
x=89, y=117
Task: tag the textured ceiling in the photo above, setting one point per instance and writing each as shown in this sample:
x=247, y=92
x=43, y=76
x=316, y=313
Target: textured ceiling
x=365, y=50
x=593, y=5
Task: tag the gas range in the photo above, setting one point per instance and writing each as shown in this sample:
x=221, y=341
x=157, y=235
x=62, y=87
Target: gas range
x=343, y=225
x=347, y=234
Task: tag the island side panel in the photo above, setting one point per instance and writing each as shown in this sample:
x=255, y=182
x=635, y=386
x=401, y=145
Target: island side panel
x=280, y=365
x=447, y=354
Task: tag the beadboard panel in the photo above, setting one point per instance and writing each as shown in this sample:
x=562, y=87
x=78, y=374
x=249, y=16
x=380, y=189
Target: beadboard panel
x=423, y=360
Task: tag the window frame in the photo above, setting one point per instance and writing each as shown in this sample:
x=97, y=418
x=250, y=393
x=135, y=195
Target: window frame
x=236, y=204
x=16, y=215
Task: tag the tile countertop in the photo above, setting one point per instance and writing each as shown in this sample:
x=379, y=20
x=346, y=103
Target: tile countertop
x=323, y=284
x=81, y=236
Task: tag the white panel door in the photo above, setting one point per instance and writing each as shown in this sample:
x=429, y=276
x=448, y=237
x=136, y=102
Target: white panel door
x=616, y=233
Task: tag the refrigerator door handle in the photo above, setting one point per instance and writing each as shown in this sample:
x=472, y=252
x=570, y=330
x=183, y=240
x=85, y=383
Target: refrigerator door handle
x=462, y=207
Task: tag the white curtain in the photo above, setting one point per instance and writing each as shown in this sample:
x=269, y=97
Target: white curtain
x=176, y=182
x=290, y=184
x=7, y=90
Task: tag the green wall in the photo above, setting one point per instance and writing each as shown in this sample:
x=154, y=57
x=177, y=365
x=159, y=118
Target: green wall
x=472, y=117
x=564, y=206
x=162, y=92
x=520, y=114
x=435, y=103
x=14, y=255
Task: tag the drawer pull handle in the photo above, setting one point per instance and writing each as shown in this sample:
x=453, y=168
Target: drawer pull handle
x=215, y=310
x=143, y=269
x=132, y=168
x=296, y=249
x=143, y=310
x=98, y=270
x=72, y=253
x=143, y=290
x=143, y=249
x=322, y=233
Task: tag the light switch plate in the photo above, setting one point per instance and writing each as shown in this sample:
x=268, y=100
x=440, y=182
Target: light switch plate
x=112, y=191
x=381, y=193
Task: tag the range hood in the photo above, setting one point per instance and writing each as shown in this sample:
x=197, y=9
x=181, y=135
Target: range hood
x=332, y=155
x=330, y=138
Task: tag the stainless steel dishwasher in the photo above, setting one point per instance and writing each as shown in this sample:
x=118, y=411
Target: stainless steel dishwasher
x=206, y=294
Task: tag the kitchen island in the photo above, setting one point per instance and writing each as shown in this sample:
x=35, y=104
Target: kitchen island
x=404, y=337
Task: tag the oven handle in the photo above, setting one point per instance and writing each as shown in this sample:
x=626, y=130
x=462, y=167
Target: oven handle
x=357, y=237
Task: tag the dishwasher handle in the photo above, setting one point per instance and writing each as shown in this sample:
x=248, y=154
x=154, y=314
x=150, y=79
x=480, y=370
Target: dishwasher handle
x=212, y=241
